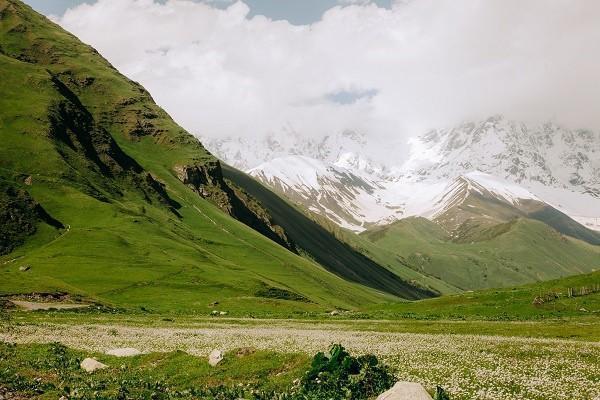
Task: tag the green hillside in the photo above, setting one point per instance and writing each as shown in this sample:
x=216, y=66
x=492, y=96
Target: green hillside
x=505, y=254
x=321, y=245
x=111, y=200
x=575, y=296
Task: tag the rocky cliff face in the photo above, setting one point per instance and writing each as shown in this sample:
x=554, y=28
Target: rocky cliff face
x=207, y=181
x=19, y=217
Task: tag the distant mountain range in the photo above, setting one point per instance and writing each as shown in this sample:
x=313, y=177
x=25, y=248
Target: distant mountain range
x=341, y=178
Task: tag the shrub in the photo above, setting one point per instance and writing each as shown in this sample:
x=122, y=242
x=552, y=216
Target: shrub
x=338, y=375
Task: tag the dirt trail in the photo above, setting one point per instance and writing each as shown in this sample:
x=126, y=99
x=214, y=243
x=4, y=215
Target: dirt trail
x=34, y=306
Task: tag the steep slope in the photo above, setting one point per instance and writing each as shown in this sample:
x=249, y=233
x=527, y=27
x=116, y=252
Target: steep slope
x=347, y=198
x=475, y=202
x=319, y=244
x=20, y=217
x=473, y=208
x=495, y=255
x=559, y=166
x=135, y=211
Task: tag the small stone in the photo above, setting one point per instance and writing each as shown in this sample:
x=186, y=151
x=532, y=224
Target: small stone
x=91, y=365
x=214, y=312
x=29, y=180
x=583, y=309
x=405, y=391
x=124, y=352
x=223, y=313
x=334, y=313
x=215, y=357
x=24, y=268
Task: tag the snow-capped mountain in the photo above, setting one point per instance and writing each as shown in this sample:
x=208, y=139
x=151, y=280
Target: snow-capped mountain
x=348, y=149
x=350, y=198
x=558, y=165
x=339, y=176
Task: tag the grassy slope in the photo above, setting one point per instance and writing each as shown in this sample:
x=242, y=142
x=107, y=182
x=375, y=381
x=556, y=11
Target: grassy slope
x=120, y=247
x=515, y=303
x=396, y=262
x=145, y=374
x=321, y=245
x=522, y=251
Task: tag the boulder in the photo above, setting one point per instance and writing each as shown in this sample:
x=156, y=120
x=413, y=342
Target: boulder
x=124, y=352
x=405, y=391
x=215, y=357
x=91, y=365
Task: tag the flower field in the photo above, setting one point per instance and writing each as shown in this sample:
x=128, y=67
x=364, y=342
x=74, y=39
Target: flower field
x=470, y=367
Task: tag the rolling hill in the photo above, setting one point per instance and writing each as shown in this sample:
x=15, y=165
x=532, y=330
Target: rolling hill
x=109, y=199
x=575, y=296
x=504, y=254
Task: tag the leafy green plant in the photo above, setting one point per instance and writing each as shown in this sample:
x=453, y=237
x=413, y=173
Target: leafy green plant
x=338, y=375
x=60, y=359
x=440, y=394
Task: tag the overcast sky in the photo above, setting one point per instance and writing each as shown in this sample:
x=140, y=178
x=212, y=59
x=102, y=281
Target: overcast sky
x=391, y=70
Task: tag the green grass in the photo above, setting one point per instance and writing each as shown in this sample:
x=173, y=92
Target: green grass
x=509, y=304
x=156, y=374
x=49, y=371
x=122, y=245
x=504, y=312
x=504, y=255
x=322, y=246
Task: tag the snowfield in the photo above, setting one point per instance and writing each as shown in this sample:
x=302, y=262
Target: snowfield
x=345, y=178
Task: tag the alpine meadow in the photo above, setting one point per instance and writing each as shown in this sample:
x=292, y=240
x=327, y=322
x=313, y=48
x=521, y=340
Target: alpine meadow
x=333, y=200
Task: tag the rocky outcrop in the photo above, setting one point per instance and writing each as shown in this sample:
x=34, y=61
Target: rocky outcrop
x=76, y=133
x=20, y=215
x=203, y=177
x=206, y=179
x=91, y=365
x=405, y=391
x=215, y=357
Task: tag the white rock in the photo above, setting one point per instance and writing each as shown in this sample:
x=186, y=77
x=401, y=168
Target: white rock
x=215, y=357
x=124, y=352
x=405, y=391
x=91, y=365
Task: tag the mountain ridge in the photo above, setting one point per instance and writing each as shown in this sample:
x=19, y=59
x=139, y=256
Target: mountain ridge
x=146, y=213
x=555, y=164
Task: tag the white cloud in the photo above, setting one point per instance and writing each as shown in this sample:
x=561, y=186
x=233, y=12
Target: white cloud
x=423, y=63
x=350, y=2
